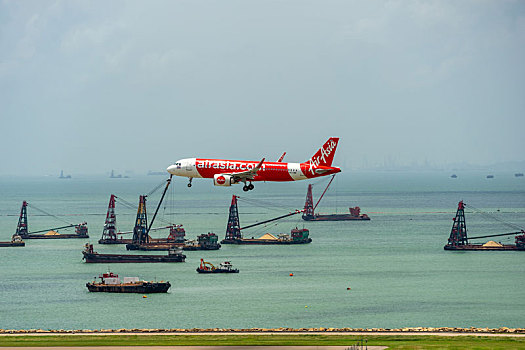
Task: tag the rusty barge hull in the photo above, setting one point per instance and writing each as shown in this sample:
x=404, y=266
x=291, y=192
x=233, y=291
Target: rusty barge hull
x=114, y=241
x=129, y=241
x=336, y=217
x=59, y=236
x=263, y=241
x=143, y=288
x=12, y=244
x=504, y=247
x=165, y=247
x=131, y=258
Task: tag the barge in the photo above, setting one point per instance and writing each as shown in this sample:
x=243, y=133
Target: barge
x=207, y=267
x=234, y=236
x=81, y=231
x=458, y=239
x=206, y=241
x=354, y=215
x=16, y=241
x=297, y=236
x=111, y=283
x=90, y=256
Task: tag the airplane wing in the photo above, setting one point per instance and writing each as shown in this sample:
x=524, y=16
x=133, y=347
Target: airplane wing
x=281, y=158
x=247, y=174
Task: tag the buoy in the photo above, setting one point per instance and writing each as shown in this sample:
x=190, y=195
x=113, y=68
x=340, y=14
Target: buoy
x=348, y=288
x=306, y=306
x=291, y=274
x=144, y=296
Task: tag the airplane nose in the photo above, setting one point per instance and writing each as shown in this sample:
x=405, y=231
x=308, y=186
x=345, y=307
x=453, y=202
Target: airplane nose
x=171, y=169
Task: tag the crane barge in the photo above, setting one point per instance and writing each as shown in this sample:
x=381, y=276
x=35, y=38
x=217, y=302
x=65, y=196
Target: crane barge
x=458, y=239
x=234, y=236
x=310, y=215
x=81, y=230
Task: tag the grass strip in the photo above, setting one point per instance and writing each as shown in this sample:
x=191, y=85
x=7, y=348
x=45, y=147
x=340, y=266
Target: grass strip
x=392, y=341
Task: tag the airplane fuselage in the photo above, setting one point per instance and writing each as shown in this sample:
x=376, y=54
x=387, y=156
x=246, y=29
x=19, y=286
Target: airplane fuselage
x=226, y=172
x=269, y=171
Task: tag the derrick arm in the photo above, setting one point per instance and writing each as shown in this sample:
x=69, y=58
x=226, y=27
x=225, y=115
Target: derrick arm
x=274, y=219
x=326, y=189
x=160, y=202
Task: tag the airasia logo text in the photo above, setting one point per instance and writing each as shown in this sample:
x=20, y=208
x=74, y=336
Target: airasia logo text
x=325, y=153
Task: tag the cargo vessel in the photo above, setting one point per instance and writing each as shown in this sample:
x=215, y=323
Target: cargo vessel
x=90, y=256
x=225, y=267
x=111, y=283
x=310, y=215
x=458, y=239
x=234, y=236
x=16, y=241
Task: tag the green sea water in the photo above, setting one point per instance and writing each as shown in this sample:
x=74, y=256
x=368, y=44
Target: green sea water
x=395, y=264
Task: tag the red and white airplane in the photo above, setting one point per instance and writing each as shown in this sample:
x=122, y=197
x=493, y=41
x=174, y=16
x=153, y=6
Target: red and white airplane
x=228, y=172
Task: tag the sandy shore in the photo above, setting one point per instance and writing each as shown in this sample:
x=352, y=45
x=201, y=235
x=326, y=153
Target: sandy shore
x=363, y=333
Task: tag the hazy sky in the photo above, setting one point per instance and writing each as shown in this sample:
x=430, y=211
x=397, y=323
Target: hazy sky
x=90, y=86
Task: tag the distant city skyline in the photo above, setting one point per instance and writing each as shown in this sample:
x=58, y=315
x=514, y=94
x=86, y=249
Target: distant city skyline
x=87, y=87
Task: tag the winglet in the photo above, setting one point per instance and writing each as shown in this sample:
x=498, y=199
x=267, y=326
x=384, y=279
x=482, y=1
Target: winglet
x=281, y=158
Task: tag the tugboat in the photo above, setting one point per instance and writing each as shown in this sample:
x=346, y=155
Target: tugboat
x=111, y=283
x=207, y=267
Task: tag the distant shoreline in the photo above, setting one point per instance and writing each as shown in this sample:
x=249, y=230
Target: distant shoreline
x=441, y=331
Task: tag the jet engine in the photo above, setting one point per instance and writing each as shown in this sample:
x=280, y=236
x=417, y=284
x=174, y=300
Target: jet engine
x=222, y=180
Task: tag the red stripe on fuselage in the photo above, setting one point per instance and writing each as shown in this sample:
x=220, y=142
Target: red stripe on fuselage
x=269, y=171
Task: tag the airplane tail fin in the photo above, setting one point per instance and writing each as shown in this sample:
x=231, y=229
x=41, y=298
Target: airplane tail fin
x=325, y=154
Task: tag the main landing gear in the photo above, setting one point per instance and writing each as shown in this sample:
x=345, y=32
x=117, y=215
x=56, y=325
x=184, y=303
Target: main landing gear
x=247, y=188
x=189, y=184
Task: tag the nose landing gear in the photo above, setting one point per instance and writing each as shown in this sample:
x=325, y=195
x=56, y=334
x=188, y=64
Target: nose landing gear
x=189, y=184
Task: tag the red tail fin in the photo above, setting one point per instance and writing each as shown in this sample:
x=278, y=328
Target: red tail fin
x=325, y=154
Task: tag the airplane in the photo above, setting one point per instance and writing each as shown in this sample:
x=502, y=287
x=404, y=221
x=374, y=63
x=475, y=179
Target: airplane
x=225, y=172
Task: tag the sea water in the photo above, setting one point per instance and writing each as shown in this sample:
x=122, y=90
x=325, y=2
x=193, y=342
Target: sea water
x=395, y=266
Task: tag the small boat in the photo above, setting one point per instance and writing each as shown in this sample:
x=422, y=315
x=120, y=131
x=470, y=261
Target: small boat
x=490, y=176
x=111, y=283
x=453, y=176
x=518, y=174
x=207, y=267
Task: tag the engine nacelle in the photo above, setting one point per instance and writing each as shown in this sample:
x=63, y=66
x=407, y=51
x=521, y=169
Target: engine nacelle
x=222, y=180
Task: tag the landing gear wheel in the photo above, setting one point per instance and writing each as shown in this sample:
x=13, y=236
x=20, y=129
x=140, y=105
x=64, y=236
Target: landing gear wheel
x=189, y=185
x=246, y=188
x=250, y=187
x=191, y=179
